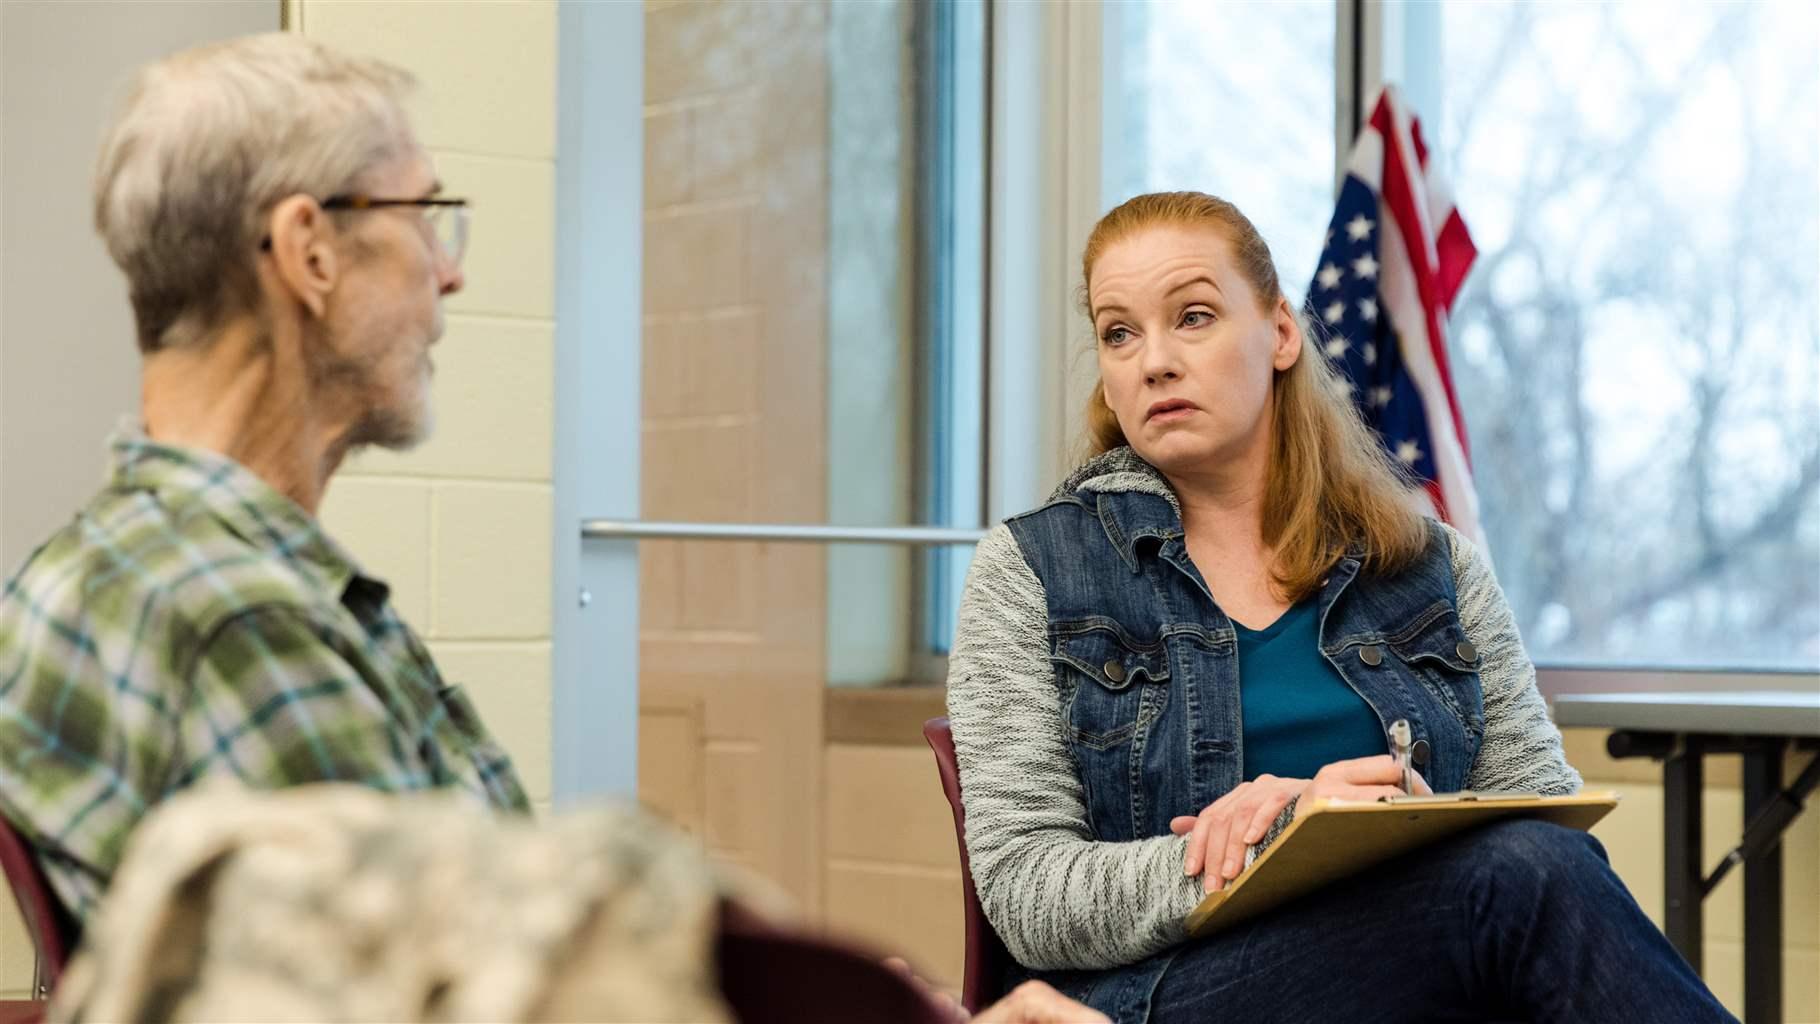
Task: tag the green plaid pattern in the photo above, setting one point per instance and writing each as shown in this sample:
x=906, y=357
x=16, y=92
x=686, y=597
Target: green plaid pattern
x=192, y=622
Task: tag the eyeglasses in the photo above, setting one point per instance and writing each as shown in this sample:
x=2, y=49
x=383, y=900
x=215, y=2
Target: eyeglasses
x=447, y=218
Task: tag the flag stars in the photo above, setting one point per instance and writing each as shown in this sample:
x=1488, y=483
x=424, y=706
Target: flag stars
x=1352, y=317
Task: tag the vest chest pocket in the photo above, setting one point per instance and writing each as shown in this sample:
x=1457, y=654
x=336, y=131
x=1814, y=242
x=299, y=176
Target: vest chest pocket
x=1106, y=677
x=1435, y=649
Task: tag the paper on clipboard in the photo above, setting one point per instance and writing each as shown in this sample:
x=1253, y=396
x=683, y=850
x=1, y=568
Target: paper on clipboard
x=1335, y=838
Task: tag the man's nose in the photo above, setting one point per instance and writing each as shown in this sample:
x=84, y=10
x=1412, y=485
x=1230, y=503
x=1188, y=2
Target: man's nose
x=450, y=279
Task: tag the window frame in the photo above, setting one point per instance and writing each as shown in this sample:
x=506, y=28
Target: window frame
x=1042, y=174
x=952, y=367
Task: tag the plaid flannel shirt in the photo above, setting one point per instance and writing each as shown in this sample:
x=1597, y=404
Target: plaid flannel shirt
x=190, y=622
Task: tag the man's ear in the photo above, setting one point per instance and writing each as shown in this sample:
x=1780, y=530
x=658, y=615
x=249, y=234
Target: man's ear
x=1288, y=336
x=302, y=252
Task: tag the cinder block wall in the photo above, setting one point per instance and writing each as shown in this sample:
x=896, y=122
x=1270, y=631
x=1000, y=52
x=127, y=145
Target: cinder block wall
x=461, y=527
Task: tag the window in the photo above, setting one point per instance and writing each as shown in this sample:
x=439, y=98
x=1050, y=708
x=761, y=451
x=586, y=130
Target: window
x=906, y=340
x=1232, y=98
x=811, y=355
x=1638, y=346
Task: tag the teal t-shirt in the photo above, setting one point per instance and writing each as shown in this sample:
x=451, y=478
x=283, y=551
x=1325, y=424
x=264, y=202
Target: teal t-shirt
x=1297, y=713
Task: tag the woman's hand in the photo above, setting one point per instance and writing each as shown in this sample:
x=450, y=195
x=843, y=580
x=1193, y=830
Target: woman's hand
x=1219, y=835
x=1363, y=778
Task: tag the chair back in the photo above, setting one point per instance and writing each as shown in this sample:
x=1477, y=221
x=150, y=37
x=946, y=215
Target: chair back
x=51, y=929
x=772, y=975
x=983, y=977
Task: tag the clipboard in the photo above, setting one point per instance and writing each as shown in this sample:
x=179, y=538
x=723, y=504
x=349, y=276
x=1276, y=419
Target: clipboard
x=1336, y=838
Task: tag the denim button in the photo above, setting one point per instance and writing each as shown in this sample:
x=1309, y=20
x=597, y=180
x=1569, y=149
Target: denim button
x=1467, y=652
x=1114, y=671
x=1370, y=655
x=1419, y=753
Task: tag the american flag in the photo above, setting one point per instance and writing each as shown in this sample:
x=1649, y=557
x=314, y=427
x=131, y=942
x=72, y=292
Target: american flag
x=1395, y=256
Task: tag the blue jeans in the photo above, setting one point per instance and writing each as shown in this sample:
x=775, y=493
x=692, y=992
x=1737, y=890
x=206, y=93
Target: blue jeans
x=1521, y=920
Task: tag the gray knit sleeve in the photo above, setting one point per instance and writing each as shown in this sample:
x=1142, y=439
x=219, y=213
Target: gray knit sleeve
x=1057, y=897
x=1521, y=752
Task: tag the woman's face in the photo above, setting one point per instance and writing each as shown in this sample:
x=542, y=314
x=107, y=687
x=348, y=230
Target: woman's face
x=1186, y=350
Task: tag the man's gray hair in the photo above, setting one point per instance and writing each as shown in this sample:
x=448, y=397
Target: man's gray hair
x=207, y=142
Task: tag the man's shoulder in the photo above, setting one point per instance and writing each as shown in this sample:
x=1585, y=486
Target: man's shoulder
x=138, y=563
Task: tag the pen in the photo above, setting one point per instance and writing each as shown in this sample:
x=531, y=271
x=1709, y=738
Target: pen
x=1399, y=752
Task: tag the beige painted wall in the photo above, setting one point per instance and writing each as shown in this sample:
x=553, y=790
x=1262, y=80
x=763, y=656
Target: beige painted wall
x=892, y=869
x=461, y=527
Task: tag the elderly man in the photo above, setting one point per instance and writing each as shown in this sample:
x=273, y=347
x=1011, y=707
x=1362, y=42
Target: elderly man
x=287, y=250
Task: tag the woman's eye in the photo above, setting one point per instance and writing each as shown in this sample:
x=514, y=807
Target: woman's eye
x=1115, y=336
x=1196, y=318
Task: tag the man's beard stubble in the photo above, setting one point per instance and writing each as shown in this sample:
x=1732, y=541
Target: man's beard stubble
x=386, y=420
x=401, y=424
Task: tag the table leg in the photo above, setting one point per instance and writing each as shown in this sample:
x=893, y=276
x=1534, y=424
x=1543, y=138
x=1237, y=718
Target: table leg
x=1762, y=892
x=1681, y=781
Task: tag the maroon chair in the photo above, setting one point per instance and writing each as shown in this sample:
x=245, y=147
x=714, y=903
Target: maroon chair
x=52, y=931
x=983, y=977
x=773, y=975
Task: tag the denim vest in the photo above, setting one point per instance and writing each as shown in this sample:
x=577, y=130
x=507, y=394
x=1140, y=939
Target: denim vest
x=1146, y=669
